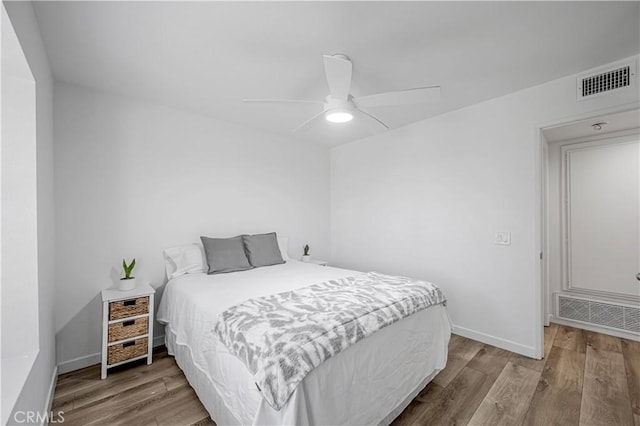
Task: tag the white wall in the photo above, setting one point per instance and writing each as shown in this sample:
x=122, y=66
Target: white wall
x=35, y=393
x=425, y=201
x=133, y=178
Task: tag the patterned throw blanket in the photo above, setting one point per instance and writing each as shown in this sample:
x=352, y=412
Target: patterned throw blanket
x=282, y=337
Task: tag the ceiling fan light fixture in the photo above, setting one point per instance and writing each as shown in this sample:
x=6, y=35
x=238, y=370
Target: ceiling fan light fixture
x=340, y=106
x=338, y=116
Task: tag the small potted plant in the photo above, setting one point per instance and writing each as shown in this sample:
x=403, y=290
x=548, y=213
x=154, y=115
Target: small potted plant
x=128, y=282
x=306, y=256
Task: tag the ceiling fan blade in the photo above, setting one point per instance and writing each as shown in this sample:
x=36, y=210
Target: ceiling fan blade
x=403, y=97
x=281, y=101
x=373, y=124
x=338, y=69
x=308, y=122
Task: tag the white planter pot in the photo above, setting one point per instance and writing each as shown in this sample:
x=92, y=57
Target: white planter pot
x=126, y=285
x=306, y=258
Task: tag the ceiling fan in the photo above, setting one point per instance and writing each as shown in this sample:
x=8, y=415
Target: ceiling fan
x=340, y=106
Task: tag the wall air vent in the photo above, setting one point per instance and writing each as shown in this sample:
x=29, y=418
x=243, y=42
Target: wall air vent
x=603, y=81
x=612, y=315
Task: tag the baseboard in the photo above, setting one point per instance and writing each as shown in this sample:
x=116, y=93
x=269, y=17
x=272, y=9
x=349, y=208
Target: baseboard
x=93, y=359
x=52, y=387
x=595, y=328
x=158, y=341
x=78, y=363
x=499, y=342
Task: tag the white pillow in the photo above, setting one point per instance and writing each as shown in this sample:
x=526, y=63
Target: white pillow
x=185, y=259
x=283, y=244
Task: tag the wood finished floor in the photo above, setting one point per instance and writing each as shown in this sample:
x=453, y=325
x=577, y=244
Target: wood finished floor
x=585, y=379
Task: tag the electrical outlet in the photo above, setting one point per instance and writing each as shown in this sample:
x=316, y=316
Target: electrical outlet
x=503, y=238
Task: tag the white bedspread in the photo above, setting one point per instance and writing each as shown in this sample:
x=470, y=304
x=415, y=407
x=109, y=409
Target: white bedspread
x=385, y=367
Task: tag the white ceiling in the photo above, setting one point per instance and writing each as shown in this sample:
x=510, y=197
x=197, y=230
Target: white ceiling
x=207, y=56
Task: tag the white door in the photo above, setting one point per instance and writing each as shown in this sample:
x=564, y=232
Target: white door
x=602, y=217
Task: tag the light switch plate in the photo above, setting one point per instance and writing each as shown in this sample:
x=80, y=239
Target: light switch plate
x=503, y=238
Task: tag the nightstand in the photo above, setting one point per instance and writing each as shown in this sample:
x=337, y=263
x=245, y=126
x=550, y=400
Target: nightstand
x=127, y=326
x=318, y=262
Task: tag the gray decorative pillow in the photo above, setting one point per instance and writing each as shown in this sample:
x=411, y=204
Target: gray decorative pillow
x=262, y=249
x=225, y=254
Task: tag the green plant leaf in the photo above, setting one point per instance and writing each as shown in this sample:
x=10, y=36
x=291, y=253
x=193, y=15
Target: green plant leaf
x=128, y=269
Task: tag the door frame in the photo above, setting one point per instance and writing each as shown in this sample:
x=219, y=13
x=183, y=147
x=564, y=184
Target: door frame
x=541, y=293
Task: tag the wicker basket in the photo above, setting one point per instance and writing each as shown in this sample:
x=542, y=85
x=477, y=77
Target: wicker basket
x=128, y=308
x=128, y=328
x=127, y=350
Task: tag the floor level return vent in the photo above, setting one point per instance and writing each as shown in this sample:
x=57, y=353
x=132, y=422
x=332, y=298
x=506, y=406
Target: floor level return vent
x=605, y=314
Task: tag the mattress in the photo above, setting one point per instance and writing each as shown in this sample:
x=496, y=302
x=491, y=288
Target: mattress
x=366, y=384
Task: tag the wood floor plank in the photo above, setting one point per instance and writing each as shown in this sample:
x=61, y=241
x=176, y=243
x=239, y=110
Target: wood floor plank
x=570, y=338
x=206, y=422
x=457, y=402
x=461, y=351
x=98, y=410
x=84, y=373
x=411, y=414
x=631, y=355
x=183, y=410
x=550, y=333
x=602, y=341
x=508, y=400
x=558, y=395
x=71, y=386
x=605, y=394
x=490, y=360
x=175, y=381
x=526, y=362
x=145, y=411
x=65, y=398
x=87, y=378
x=124, y=380
x=429, y=391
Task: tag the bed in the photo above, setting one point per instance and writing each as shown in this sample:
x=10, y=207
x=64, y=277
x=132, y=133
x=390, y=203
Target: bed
x=371, y=382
